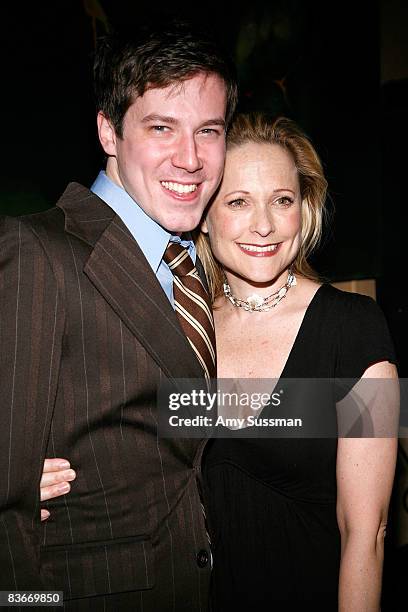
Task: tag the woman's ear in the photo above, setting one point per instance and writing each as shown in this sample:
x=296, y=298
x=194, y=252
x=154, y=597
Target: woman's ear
x=204, y=227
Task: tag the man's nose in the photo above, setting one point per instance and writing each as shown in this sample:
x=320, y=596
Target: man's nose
x=186, y=154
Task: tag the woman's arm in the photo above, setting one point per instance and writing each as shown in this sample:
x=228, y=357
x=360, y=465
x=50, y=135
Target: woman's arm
x=365, y=472
x=55, y=481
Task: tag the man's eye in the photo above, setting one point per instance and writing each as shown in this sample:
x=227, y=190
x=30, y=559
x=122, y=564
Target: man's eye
x=159, y=128
x=210, y=131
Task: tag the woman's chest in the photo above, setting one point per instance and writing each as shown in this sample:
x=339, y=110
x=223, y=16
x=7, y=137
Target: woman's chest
x=254, y=351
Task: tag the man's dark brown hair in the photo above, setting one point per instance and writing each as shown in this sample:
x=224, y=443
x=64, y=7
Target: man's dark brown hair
x=156, y=56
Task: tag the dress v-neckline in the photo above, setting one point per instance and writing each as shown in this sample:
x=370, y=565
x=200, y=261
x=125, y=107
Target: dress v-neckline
x=299, y=334
x=291, y=355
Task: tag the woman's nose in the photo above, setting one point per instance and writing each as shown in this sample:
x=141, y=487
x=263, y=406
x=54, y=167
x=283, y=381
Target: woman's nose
x=263, y=221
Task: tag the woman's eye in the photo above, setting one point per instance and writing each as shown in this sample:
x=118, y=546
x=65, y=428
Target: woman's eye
x=237, y=203
x=284, y=201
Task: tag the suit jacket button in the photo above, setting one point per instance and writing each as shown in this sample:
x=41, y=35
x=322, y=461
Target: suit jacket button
x=202, y=558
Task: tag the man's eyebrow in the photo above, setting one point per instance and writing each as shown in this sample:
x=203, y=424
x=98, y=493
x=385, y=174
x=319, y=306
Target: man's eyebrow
x=173, y=121
x=217, y=121
x=159, y=118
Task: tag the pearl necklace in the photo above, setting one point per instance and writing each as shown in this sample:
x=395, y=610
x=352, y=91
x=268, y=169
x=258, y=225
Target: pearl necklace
x=255, y=302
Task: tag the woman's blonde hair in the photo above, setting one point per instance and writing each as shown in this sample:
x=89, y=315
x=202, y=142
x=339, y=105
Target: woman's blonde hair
x=259, y=128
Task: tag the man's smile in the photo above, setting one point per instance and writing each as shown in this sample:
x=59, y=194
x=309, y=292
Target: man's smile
x=179, y=187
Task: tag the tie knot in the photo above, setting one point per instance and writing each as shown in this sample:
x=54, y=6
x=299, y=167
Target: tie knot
x=178, y=259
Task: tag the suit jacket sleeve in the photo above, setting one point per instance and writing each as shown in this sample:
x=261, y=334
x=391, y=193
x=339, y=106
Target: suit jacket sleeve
x=31, y=331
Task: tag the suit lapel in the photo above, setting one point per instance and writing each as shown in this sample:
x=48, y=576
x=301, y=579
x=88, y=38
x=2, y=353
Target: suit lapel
x=120, y=272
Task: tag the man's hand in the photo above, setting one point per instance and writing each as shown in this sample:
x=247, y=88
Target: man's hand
x=55, y=481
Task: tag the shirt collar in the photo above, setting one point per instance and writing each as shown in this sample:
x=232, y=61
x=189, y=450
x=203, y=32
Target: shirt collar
x=149, y=235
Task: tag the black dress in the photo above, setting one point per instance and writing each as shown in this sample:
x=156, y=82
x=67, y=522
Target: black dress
x=272, y=502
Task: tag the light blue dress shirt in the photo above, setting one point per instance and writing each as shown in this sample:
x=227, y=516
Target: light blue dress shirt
x=149, y=235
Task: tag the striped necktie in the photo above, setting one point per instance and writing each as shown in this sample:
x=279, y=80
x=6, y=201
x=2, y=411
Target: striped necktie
x=193, y=306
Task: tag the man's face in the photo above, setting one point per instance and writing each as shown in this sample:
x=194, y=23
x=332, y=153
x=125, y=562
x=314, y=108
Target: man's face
x=171, y=157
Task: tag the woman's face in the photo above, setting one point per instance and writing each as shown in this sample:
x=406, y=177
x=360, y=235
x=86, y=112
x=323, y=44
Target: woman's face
x=254, y=223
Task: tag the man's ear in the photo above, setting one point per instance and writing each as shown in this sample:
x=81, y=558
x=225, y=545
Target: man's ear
x=107, y=134
x=203, y=226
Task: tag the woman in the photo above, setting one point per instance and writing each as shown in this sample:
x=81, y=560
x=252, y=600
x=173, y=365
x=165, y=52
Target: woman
x=295, y=521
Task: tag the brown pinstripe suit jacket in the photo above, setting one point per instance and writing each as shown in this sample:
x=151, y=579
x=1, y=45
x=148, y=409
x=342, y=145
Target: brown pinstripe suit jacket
x=86, y=335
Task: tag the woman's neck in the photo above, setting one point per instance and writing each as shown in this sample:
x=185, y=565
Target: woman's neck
x=241, y=288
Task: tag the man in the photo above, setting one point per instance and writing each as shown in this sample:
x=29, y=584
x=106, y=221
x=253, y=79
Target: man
x=89, y=331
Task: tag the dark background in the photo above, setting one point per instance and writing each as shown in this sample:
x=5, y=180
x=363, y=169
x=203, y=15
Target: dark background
x=340, y=68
